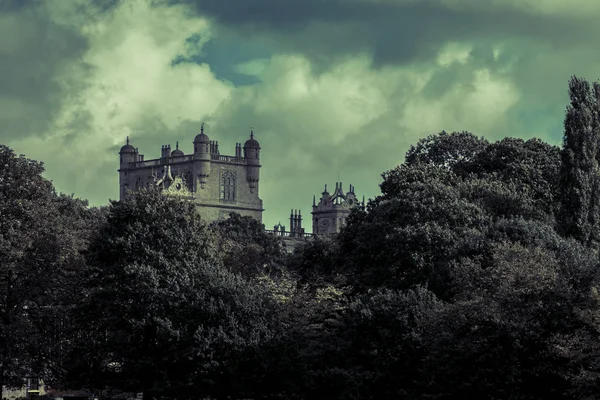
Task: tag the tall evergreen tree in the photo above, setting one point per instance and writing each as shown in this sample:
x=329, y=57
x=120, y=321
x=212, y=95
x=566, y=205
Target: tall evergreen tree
x=580, y=173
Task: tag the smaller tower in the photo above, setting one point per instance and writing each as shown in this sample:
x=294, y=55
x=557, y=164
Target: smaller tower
x=330, y=213
x=252, y=156
x=201, y=157
x=128, y=154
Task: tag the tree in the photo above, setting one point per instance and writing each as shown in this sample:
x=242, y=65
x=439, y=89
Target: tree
x=314, y=262
x=531, y=167
x=580, y=172
x=384, y=330
x=512, y=328
x=438, y=206
x=73, y=229
x=245, y=247
x=452, y=151
x=408, y=235
x=161, y=315
x=42, y=235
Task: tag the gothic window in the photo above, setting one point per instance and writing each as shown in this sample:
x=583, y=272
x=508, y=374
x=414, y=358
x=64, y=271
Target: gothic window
x=228, y=186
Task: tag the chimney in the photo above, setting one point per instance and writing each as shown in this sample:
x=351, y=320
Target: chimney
x=292, y=220
x=165, y=151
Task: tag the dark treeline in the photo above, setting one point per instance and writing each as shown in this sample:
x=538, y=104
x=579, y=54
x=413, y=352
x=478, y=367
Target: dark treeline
x=474, y=274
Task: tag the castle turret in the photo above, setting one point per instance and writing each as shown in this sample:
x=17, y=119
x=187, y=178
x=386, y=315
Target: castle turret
x=202, y=146
x=252, y=156
x=330, y=213
x=127, y=155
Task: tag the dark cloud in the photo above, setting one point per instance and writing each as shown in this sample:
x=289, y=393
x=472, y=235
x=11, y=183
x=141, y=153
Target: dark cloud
x=33, y=51
x=223, y=53
x=9, y=6
x=36, y=48
x=392, y=32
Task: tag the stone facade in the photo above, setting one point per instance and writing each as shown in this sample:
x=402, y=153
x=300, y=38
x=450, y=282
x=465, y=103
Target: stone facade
x=329, y=215
x=218, y=184
x=221, y=184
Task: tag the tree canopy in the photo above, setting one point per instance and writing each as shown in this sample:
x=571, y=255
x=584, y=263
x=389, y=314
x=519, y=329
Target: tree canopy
x=161, y=315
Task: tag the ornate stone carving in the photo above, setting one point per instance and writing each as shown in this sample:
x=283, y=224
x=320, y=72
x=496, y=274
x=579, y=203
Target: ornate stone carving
x=178, y=187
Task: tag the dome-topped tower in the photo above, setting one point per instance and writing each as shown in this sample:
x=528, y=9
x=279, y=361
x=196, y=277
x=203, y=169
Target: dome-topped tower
x=251, y=143
x=252, y=156
x=127, y=153
x=202, y=157
x=127, y=149
x=177, y=152
x=201, y=137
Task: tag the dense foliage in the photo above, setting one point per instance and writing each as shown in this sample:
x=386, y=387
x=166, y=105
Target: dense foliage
x=474, y=274
x=42, y=235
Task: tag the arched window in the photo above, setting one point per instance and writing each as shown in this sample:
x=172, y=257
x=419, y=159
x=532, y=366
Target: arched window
x=228, y=186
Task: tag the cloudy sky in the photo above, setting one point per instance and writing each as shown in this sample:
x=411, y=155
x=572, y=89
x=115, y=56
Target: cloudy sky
x=329, y=86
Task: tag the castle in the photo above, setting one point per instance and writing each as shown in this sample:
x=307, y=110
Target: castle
x=221, y=184
x=218, y=184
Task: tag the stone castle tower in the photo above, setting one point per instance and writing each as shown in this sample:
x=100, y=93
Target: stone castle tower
x=218, y=184
x=330, y=214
